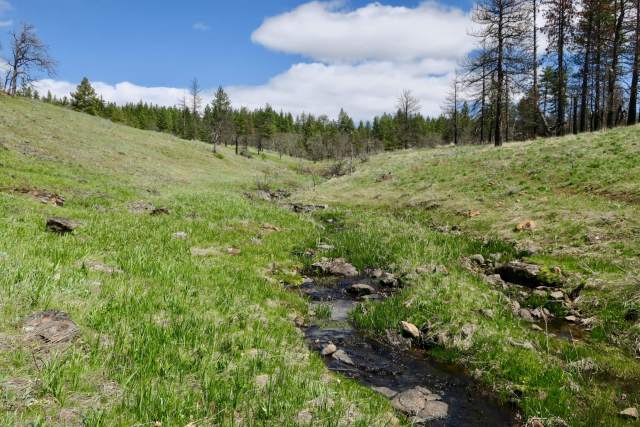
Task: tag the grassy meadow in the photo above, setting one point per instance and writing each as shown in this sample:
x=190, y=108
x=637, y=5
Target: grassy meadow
x=407, y=209
x=175, y=339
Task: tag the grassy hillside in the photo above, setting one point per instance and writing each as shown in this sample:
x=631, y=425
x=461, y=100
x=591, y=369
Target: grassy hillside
x=582, y=194
x=173, y=338
x=167, y=337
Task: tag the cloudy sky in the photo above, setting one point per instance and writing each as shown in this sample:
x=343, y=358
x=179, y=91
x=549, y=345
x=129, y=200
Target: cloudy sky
x=298, y=56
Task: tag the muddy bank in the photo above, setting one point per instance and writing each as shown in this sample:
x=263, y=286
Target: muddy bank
x=429, y=393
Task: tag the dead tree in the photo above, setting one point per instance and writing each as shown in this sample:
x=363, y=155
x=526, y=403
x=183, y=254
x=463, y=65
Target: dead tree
x=28, y=57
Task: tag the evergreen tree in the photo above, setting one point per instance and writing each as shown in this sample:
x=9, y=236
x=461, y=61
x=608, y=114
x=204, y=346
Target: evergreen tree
x=85, y=99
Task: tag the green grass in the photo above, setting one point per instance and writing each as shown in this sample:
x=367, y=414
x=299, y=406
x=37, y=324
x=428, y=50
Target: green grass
x=179, y=339
x=174, y=338
x=582, y=193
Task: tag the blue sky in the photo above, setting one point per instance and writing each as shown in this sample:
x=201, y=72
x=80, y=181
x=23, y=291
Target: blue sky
x=165, y=44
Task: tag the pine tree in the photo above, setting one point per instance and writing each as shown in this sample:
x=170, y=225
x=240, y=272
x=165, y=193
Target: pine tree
x=85, y=99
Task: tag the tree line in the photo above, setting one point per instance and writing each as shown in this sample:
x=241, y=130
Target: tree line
x=585, y=80
x=303, y=135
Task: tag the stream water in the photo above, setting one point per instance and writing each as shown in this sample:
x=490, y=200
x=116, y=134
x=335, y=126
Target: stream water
x=388, y=368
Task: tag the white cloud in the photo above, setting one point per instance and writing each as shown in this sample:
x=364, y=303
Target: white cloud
x=200, y=26
x=5, y=24
x=326, y=32
x=363, y=90
x=120, y=93
x=362, y=60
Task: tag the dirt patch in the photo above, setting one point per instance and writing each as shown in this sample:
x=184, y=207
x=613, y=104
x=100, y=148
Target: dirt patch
x=43, y=196
x=50, y=330
x=99, y=267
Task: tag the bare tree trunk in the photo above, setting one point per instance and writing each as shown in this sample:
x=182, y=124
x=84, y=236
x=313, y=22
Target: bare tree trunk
x=498, y=113
x=482, y=103
x=613, y=71
x=560, y=114
x=585, y=76
x=597, y=84
x=534, y=89
x=574, y=121
x=633, y=90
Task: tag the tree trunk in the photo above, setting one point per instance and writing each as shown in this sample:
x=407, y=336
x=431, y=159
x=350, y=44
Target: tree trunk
x=498, y=113
x=482, y=105
x=585, y=76
x=561, y=99
x=574, y=121
x=633, y=90
x=534, y=89
x=613, y=72
x=597, y=84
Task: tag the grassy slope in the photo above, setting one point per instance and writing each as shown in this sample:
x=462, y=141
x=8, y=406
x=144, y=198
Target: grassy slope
x=582, y=192
x=174, y=339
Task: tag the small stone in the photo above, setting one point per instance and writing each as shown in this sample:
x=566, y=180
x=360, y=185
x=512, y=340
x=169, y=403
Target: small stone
x=50, y=327
x=410, y=330
x=342, y=356
x=494, y=279
x=304, y=417
x=376, y=273
x=61, y=225
x=557, y=295
x=434, y=410
x=527, y=225
x=572, y=319
x=478, y=259
x=388, y=280
x=535, y=422
x=525, y=314
x=360, y=289
x=537, y=328
x=420, y=403
x=159, y=211
x=337, y=267
x=233, y=251
x=630, y=413
x=540, y=293
x=180, y=235
x=385, y=391
x=329, y=349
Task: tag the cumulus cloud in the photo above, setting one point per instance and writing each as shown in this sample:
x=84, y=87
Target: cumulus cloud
x=200, y=26
x=361, y=60
x=326, y=32
x=120, y=93
x=363, y=90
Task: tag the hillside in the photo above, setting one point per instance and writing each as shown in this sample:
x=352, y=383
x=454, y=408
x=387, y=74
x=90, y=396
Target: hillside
x=567, y=204
x=173, y=279
x=166, y=337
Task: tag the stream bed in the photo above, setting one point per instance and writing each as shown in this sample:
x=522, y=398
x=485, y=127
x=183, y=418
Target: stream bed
x=429, y=393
